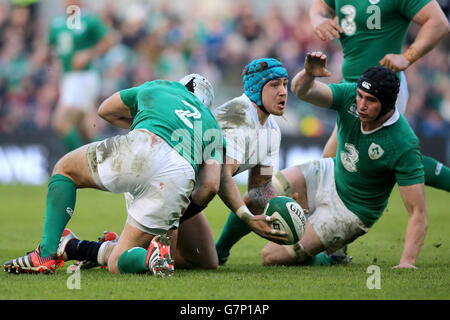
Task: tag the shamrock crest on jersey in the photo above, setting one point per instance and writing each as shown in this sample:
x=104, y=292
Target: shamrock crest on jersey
x=375, y=151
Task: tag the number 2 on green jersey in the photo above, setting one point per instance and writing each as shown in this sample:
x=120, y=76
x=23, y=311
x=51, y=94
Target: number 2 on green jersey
x=185, y=114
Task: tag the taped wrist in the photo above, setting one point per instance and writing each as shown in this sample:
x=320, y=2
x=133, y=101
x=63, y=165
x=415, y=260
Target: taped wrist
x=411, y=54
x=244, y=214
x=191, y=211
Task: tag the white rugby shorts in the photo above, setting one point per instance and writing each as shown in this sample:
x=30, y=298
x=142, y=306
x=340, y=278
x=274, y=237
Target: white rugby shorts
x=335, y=225
x=402, y=98
x=80, y=90
x=155, y=179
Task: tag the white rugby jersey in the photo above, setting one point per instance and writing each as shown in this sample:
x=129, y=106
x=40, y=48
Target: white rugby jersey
x=248, y=142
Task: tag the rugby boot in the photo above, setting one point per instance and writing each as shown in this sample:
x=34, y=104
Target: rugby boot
x=158, y=260
x=33, y=262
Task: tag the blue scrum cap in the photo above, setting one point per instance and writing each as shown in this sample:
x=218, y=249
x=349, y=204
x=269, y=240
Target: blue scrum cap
x=257, y=73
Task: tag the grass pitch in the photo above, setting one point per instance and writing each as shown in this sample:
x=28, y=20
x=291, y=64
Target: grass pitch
x=243, y=277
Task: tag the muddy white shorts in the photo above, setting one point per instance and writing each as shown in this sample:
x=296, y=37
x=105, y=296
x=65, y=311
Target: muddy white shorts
x=80, y=90
x=156, y=180
x=335, y=225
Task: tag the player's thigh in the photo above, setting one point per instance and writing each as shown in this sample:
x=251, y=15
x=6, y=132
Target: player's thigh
x=194, y=243
x=130, y=237
x=74, y=165
x=329, y=151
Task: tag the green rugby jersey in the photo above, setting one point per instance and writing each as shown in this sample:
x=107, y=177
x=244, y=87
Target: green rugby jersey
x=372, y=29
x=68, y=39
x=170, y=111
x=368, y=164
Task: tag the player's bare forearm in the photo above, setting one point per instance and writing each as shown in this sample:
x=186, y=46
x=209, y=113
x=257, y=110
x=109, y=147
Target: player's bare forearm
x=302, y=84
x=105, y=44
x=415, y=203
x=82, y=58
x=229, y=191
x=320, y=11
x=208, y=183
x=429, y=36
x=414, y=238
x=260, y=189
x=434, y=26
x=305, y=87
x=324, y=21
x=101, y=47
x=115, y=112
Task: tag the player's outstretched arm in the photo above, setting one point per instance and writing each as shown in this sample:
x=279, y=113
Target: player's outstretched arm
x=229, y=191
x=305, y=87
x=231, y=196
x=116, y=112
x=414, y=199
x=324, y=21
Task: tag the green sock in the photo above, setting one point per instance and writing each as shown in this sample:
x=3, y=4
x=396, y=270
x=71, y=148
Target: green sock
x=321, y=260
x=61, y=196
x=232, y=232
x=72, y=140
x=133, y=261
x=436, y=174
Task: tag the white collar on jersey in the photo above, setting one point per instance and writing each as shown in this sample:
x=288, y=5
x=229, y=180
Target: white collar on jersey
x=393, y=119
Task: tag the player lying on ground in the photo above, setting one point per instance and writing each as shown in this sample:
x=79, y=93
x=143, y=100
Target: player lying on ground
x=173, y=136
x=347, y=194
x=252, y=138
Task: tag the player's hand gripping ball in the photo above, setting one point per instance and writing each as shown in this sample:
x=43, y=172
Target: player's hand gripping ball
x=289, y=215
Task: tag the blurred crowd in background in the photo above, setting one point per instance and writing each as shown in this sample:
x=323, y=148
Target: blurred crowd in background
x=165, y=40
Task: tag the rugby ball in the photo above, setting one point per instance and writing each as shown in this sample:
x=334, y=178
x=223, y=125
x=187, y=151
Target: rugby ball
x=289, y=215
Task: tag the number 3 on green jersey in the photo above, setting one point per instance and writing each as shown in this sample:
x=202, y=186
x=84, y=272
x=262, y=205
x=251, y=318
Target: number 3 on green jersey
x=348, y=22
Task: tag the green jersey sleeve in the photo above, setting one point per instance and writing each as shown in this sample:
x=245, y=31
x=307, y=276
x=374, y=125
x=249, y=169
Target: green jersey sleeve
x=97, y=27
x=344, y=93
x=330, y=3
x=409, y=8
x=409, y=168
x=129, y=98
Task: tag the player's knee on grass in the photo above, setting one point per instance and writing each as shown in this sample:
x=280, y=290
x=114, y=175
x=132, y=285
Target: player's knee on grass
x=275, y=254
x=112, y=261
x=200, y=262
x=193, y=244
x=132, y=261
